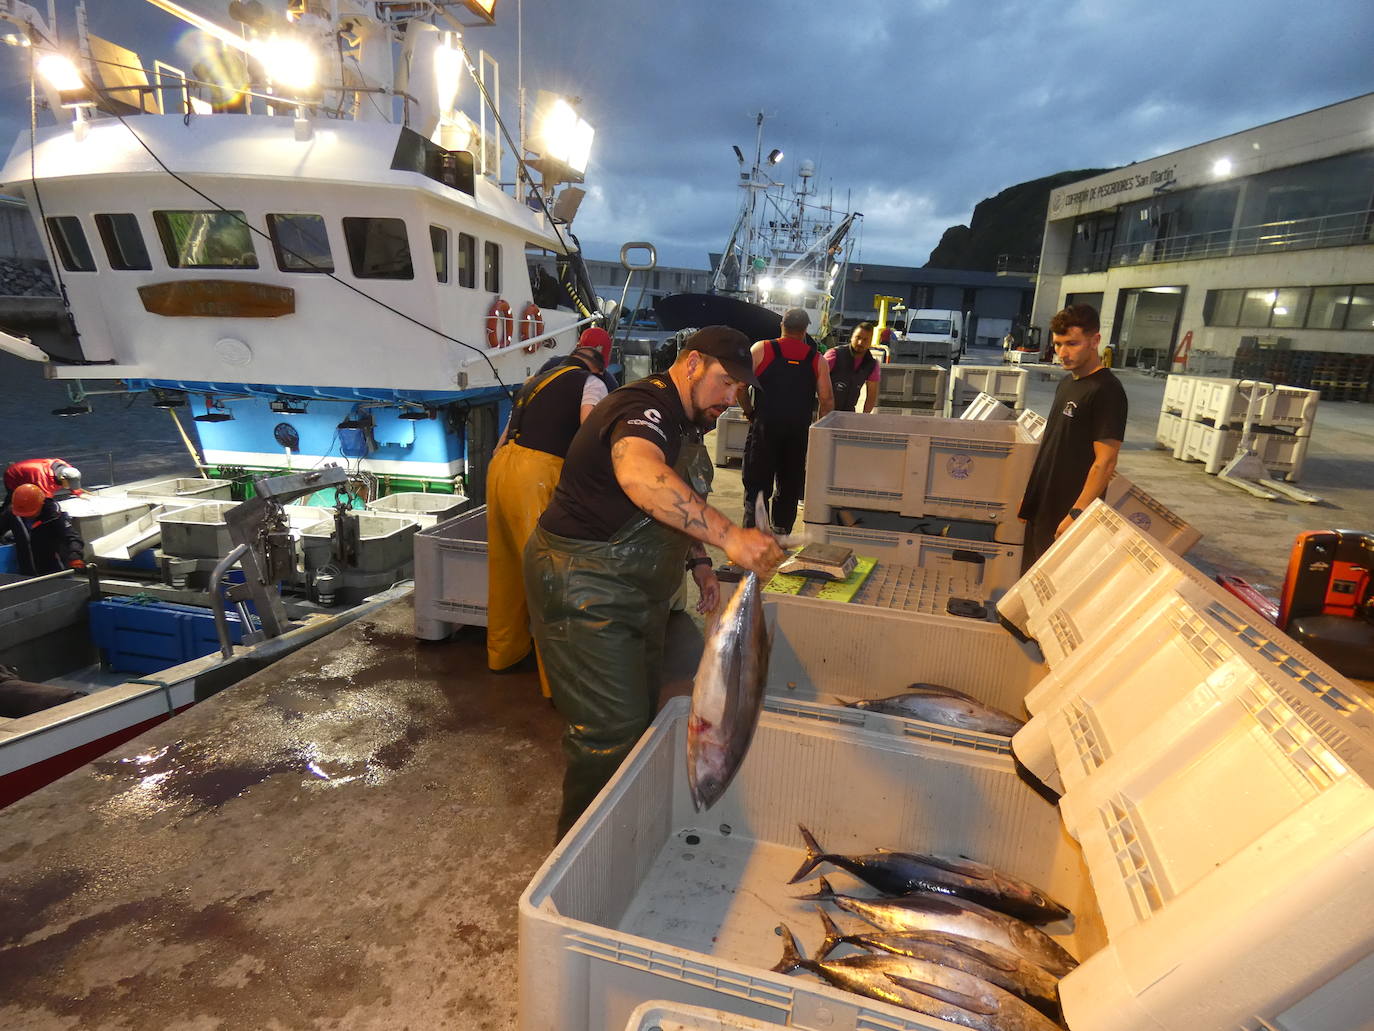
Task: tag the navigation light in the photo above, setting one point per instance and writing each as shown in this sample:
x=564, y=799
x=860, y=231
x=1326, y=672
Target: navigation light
x=288, y=61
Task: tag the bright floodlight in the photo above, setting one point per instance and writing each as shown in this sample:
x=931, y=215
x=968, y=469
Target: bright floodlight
x=766, y=283
x=60, y=72
x=288, y=61
x=1222, y=167
x=795, y=285
x=567, y=138
x=774, y=156
x=448, y=72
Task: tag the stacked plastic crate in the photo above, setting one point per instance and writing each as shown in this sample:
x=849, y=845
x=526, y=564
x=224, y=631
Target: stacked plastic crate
x=732, y=430
x=1201, y=420
x=912, y=389
x=998, y=381
x=922, y=493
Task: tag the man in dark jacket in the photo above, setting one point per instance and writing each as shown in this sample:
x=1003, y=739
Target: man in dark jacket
x=852, y=366
x=45, y=541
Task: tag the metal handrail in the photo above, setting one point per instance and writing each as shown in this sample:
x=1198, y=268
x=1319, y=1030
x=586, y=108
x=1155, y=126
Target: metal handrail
x=226, y=647
x=1344, y=229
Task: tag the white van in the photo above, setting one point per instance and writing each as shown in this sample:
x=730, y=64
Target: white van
x=932, y=335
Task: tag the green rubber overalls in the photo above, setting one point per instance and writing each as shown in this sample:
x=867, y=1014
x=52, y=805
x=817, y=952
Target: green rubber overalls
x=599, y=611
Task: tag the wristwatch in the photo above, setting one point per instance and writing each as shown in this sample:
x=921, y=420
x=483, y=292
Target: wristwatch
x=1074, y=513
x=697, y=560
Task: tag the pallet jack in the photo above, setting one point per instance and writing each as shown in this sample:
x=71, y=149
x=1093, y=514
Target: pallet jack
x=1245, y=470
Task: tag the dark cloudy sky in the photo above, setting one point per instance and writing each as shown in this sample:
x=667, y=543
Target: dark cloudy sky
x=914, y=109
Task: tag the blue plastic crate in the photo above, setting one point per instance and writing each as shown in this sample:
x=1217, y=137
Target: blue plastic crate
x=137, y=636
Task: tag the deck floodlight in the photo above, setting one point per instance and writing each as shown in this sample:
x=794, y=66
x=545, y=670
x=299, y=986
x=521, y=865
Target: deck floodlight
x=739, y=154
x=288, y=61
x=448, y=73
x=417, y=414
x=214, y=412
x=484, y=9
x=60, y=72
x=169, y=399
x=766, y=283
x=561, y=135
x=774, y=156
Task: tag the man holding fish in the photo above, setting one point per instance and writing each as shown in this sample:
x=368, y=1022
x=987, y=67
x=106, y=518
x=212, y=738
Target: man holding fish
x=607, y=556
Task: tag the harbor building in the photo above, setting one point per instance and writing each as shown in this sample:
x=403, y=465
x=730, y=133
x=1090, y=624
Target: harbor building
x=1250, y=255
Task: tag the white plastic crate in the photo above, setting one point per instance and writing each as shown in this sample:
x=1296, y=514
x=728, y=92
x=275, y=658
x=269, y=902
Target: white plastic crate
x=1178, y=394
x=916, y=413
x=1005, y=384
x=1151, y=515
x=732, y=430
x=451, y=575
x=1170, y=433
x=1032, y=422
x=1294, y=408
x=988, y=566
x=1224, y=402
x=1023, y=357
x=936, y=467
x=647, y=899
x=1282, y=454
x=986, y=408
x=670, y=1016
x=823, y=652
x=920, y=386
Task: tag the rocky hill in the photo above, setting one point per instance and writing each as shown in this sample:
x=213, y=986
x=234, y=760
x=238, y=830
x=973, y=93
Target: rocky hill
x=1011, y=223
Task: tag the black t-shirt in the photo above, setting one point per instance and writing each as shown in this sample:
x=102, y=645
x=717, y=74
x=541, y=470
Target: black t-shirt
x=1085, y=410
x=589, y=503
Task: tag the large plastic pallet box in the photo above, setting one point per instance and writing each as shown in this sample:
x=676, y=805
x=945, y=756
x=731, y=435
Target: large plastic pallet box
x=732, y=431
x=1210, y=363
x=1032, y=422
x=987, y=565
x=1151, y=515
x=1220, y=781
x=824, y=655
x=935, y=467
x=1178, y=394
x=1294, y=408
x=1170, y=433
x=986, y=408
x=647, y=899
x=913, y=386
x=1225, y=402
x=917, y=413
x=1023, y=357
x=968, y=381
x=1280, y=453
x=425, y=507
x=669, y=1016
x=451, y=575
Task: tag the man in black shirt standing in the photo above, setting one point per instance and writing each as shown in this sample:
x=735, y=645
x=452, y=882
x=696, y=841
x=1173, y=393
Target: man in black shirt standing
x=1082, y=436
x=608, y=554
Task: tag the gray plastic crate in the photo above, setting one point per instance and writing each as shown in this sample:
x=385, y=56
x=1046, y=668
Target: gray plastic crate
x=451, y=575
x=912, y=386
x=732, y=430
x=929, y=467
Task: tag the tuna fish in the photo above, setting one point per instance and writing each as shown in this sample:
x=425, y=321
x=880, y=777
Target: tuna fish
x=949, y=915
x=918, y=985
x=727, y=695
x=946, y=706
x=901, y=873
x=993, y=964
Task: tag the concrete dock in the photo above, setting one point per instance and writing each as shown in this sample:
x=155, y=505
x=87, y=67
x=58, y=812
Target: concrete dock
x=339, y=841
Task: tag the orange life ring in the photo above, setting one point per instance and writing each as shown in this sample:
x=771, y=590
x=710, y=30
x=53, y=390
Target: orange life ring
x=531, y=325
x=500, y=324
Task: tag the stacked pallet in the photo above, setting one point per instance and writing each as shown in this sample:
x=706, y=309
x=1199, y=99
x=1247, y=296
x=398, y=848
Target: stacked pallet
x=1201, y=420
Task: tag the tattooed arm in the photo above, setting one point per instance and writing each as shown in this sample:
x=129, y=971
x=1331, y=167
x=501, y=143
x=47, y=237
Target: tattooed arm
x=650, y=483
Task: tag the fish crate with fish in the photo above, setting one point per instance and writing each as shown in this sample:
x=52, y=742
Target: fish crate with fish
x=846, y=660
x=647, y=898
x=950, y=468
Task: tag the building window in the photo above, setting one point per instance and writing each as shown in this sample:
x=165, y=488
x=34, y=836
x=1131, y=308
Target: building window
x=438, y=243
x=378, y=248
x=123, y=241
x=301, y=243
x=1255, y=307
x=69, y=240
x=1361, y=313
x=1328, y=308
x=467, y=260
x=1292, y=307
x=491, y=267
x=205, y=239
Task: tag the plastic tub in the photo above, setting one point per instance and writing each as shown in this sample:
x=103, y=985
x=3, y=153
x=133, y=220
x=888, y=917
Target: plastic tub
x=426, y=508
x=732, y=430
x=451, y=575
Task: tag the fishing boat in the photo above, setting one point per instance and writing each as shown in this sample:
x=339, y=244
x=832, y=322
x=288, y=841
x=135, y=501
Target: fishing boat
x=787, y=249
x=323, y=244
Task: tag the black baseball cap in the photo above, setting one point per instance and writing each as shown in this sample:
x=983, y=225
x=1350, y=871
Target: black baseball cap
x=728, y=346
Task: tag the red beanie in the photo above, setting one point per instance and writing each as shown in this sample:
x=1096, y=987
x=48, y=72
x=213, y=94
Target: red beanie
x=598, y=340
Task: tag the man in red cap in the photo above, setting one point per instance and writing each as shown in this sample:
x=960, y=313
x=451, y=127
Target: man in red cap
x=596, y=339
x=45, y=541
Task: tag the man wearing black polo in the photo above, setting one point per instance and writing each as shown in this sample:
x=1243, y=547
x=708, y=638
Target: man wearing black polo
x=1082, y=436
x=608, y=554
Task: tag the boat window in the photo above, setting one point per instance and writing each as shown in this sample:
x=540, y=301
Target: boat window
x=206, y=239
x=301, y=243
x=491, y=267
x=438, y=243
x=378, y=248
x=69, y=240
x=467, y=260
x=123, y=241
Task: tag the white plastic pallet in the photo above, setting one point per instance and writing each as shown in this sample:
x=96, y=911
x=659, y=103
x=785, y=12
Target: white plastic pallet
x=986, y=408
x=451, y=575
x=1032, y=422
x=647, y=899
x=919, y=386
x=934, y=467
x=732, y=430
x=988, y=565
x=1151, y=515
x=1170, y=433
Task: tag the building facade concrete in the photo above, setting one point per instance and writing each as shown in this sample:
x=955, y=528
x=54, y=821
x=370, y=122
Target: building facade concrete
x=1255, y=250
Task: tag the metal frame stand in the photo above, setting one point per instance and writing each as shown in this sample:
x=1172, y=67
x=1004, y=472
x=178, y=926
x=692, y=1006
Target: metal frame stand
x=1246, y=471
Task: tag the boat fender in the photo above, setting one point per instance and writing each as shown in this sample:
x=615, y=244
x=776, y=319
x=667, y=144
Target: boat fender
x=531, y=325
x=500, y=324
